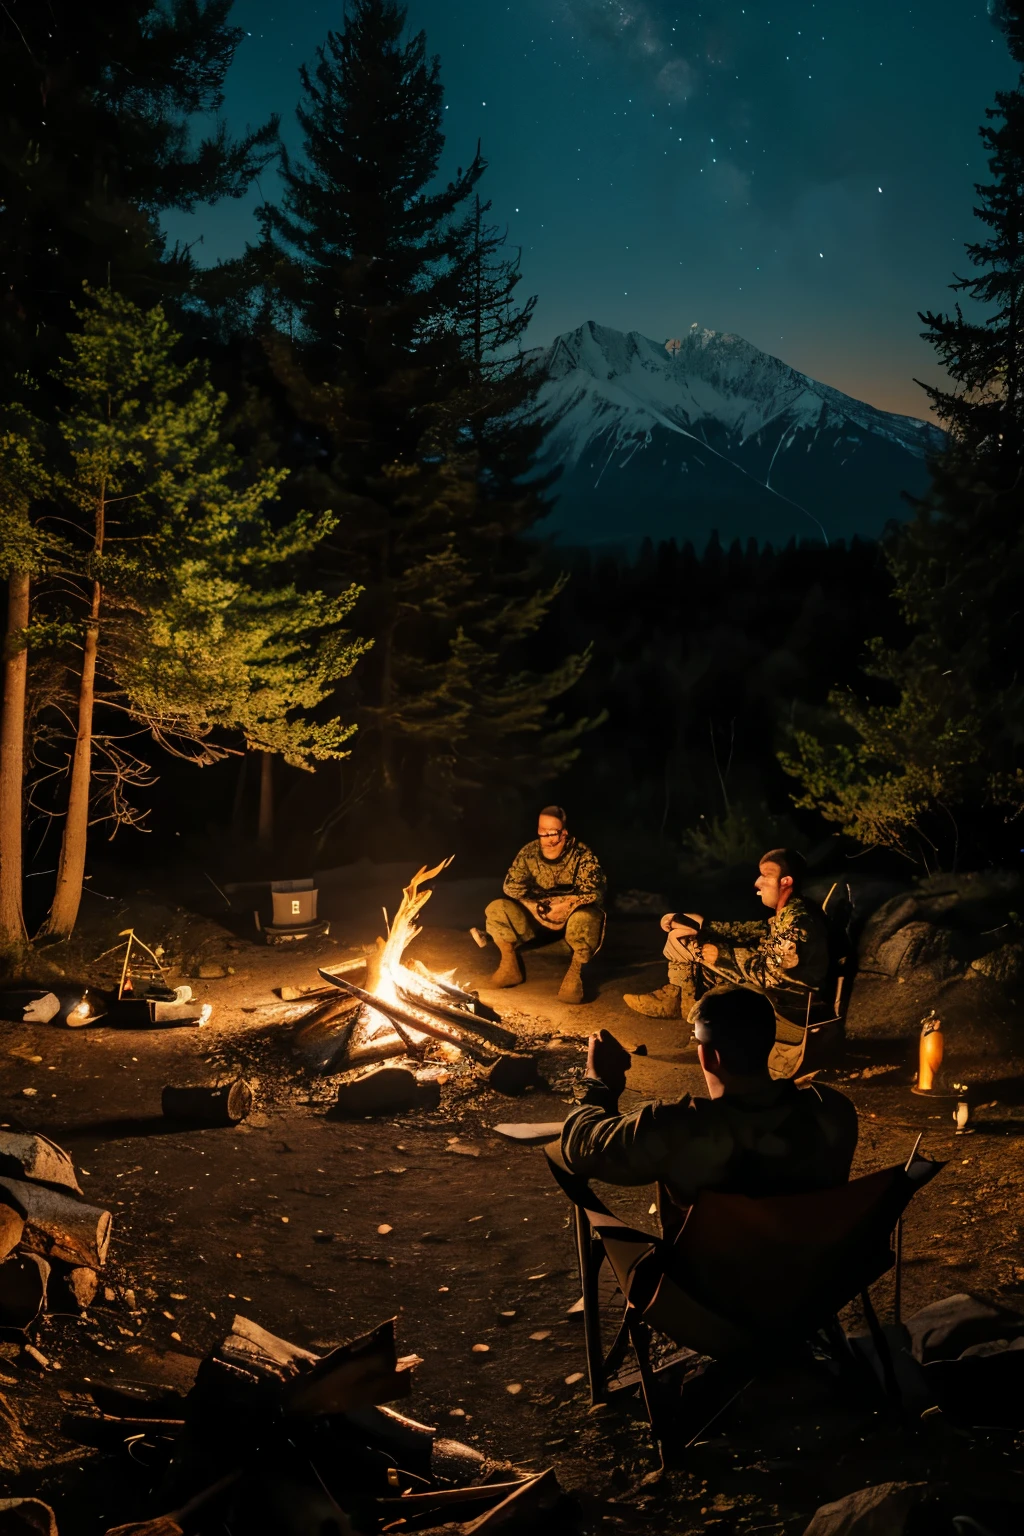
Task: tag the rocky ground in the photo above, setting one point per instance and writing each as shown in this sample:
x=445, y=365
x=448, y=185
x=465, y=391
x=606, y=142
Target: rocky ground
x=319, y=1228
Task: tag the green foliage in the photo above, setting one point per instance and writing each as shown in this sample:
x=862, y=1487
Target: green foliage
x=172, y=550
x=885, y=773
x=24, y=545
x=739, y=835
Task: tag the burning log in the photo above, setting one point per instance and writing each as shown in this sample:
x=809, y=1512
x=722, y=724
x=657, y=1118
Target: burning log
x=493, y=1034
x=58, y=1226
x=323, y=1035
x=226, y=1104
x=403, y=1006
x=416, y=1019
x=458, y=995
x=34, y=1157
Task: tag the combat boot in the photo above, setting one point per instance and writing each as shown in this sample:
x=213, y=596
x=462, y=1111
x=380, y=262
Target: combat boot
x=665, y=1003
x=510, y=967
x=571, y=990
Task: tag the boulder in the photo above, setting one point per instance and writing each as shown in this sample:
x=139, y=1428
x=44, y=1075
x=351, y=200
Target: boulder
x=878, y=1511
x=881, y=928
x=944, y=1329
x=1005, y=964
x=920, y=950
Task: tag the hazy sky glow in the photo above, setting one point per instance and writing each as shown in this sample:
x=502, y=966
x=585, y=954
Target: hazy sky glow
x=799, y=173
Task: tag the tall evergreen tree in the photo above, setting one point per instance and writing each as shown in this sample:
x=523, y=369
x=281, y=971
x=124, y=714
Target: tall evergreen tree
x=945, y=729
x=185, y=626
x=96, y=143
x=403, y=360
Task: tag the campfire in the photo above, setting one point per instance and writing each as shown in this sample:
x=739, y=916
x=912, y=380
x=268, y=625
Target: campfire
x=399, y=1008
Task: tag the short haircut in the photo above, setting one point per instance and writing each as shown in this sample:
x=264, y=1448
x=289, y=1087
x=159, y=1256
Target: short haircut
x=738, y=1023
x=556, y=811
x=790, y=862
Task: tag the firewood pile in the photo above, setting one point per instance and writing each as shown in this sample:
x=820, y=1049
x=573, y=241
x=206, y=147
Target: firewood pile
x=274, y=1438
x=383, y=1008
x=52, y=1241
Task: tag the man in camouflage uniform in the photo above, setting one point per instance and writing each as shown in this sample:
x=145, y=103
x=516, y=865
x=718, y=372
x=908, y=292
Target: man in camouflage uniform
x=555, y=885
x=788, y=962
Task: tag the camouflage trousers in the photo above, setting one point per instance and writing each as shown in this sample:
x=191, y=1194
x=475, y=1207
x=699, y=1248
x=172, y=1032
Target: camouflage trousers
x=733, y=965
x=509, y=922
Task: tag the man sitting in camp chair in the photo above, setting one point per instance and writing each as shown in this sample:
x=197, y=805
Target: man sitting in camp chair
x=753, y=1135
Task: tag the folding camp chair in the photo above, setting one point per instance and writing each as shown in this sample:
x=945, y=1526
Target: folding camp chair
x=824, y=1026
x=737, y=1284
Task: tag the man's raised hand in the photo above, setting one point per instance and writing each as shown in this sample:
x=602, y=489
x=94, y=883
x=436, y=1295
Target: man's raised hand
x=608, y=1061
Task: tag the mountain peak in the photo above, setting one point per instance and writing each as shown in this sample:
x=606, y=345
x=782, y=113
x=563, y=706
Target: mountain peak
x=708, y=408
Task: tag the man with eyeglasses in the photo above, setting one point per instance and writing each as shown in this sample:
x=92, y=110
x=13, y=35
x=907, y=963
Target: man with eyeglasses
x=555, y=885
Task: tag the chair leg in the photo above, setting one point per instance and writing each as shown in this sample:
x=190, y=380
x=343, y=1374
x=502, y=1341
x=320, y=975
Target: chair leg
x=590, y=1264
x=881, y=1343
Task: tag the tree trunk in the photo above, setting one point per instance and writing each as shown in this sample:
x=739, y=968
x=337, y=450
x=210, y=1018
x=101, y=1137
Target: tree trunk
x=71, y=868
x=265, y=828
x=238, y=804
x=12, y=761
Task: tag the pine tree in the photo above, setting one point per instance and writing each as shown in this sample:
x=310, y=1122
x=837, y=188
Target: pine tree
x=96, y=143
x=187, y=629
x=945, y=727
x=406, y=364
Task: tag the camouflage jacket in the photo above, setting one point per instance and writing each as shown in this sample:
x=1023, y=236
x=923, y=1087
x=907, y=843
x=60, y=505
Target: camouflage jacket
x=792, y=956
x=772, y=1138
x=575, y=873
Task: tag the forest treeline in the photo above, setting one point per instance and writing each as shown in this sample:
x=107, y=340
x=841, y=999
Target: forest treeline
x=278, y=519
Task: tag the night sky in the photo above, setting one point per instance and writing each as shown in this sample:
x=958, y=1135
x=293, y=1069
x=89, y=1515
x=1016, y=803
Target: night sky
x=799, y=173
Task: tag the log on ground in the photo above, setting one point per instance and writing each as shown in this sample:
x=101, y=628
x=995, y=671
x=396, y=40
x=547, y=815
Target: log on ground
x=58, y=1226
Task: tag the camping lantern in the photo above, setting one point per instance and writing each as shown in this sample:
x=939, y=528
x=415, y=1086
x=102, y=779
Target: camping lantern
x=294, y=903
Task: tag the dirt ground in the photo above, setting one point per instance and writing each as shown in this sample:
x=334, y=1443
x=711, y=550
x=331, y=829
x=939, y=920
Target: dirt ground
x=319, y=1228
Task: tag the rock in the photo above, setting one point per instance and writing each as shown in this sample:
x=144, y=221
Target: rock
x=209, y=971
x=1005, y=964
x=893, y=915
x=921, y=950
x=943, y=1330
x=72, y=1291
x=878, y=1511
x=26, y=1517
x=512, y=1075
x=975, y=885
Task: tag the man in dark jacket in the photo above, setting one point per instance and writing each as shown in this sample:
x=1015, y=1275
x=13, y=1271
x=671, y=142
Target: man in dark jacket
x=752, y=1135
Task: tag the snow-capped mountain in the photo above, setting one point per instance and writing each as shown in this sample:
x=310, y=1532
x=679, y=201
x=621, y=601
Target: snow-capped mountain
x=706, y=432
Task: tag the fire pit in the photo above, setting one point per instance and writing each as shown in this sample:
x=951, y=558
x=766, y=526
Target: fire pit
x=399, y=1008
